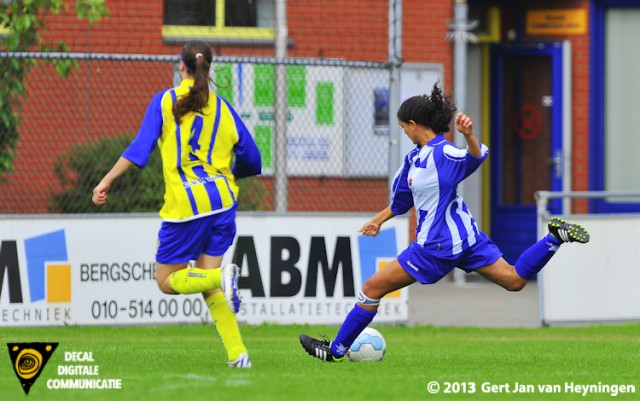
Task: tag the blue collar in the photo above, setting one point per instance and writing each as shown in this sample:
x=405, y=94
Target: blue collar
x=438, y=138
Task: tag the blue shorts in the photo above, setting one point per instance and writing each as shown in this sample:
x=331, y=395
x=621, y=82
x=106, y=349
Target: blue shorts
x=186, y=241
x=428, y=266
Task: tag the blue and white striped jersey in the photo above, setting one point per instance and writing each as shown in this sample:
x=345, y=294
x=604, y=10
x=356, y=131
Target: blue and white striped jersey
x=428, y=180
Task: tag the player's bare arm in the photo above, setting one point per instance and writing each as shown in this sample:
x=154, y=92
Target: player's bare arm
x=464, y=125
x=100, y=191
x=372, y=227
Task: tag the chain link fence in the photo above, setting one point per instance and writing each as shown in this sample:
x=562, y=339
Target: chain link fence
x=70, y=130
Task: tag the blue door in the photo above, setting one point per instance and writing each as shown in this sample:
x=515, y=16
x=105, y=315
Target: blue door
x=526, y=139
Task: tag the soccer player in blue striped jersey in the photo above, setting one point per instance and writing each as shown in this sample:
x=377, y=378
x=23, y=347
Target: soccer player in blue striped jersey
x=205, y=147
x=446, y=233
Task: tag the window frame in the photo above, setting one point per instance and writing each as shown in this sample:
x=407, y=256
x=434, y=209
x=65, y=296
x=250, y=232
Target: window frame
x=597, y=108
x=219, y=34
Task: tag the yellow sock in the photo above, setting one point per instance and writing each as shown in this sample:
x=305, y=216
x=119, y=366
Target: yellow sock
x=193, y=280
x=227, y=326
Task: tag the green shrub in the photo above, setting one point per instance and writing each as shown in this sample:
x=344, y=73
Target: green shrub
x=81, y=168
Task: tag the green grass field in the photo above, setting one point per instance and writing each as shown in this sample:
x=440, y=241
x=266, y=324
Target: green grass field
x=188, y=363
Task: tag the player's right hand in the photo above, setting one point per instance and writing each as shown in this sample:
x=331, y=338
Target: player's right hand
x=370, y=229
x=100, y=194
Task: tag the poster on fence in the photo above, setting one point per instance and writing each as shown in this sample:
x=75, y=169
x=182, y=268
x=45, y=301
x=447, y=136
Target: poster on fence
x=336, y=116
x=100, y=270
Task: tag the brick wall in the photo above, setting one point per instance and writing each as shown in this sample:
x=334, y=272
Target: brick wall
x=355, y=30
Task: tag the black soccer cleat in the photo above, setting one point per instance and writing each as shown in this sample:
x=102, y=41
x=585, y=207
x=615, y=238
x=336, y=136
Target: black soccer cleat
x=567, y=232
x=320, y=349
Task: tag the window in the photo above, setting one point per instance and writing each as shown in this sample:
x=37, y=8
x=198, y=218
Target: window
x=243, y=14
x=189, y=13
x=614, y=100
x=228, y=21
x=488, y=18
x=621, y=98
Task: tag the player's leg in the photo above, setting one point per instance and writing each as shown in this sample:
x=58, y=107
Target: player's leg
x=224, y=319
x=224, y=304
x=503, y=274
x=178, y=243
x=163, y=274
x=389, y=279
x=534, y=258
x=180, y=279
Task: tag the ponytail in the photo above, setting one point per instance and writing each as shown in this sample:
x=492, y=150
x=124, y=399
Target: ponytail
x=434, y=111
x=197, y=57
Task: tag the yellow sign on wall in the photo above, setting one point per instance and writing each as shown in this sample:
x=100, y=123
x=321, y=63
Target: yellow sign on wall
x=556, y=22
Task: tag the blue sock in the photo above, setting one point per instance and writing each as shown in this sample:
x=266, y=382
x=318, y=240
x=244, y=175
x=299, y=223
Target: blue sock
x=536, y=256
x=355, y=322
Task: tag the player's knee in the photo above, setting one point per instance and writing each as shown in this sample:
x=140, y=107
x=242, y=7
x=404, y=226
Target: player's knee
x=516, y=285
x=370, y=290
x=165, y=287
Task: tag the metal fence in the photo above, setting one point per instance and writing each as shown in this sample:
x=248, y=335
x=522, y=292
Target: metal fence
x=71, y=130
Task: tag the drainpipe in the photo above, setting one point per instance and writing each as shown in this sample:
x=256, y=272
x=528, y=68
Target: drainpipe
x=460, y=35
x=280, y=112
x=395, y=62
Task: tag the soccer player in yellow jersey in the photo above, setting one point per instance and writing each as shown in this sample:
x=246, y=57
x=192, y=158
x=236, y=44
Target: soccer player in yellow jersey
x=205, y=147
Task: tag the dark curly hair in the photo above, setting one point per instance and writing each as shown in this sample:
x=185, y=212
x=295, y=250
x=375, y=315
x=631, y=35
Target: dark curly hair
x=434, y=111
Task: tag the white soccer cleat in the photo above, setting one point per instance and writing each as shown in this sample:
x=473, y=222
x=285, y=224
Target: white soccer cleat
x=243, y=361
x=229, y=286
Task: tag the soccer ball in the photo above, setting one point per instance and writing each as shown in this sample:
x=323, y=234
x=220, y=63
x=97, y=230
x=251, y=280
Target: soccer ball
x=368, y=347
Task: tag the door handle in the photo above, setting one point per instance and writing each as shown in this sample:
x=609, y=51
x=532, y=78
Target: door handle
x=556, y=161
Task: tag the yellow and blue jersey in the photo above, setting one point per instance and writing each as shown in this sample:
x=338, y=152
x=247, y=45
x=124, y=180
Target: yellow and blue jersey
x=201, y=156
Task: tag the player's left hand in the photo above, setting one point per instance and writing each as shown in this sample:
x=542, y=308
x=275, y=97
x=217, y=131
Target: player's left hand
x=464, y=124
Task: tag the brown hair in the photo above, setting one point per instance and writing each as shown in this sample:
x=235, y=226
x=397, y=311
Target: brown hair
x=196, y=56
